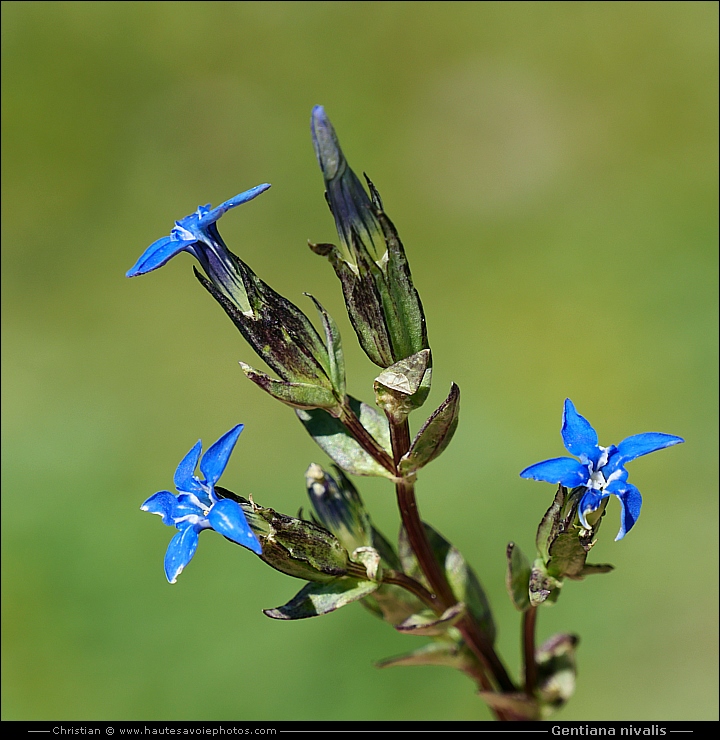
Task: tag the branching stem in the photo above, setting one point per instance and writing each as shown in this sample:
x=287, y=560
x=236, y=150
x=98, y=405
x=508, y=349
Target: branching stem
x=364, y=438
x=474, y=636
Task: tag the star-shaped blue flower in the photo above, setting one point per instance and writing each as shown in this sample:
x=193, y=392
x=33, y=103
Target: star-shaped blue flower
x=198, y=506
x=198, y=235
x=601, y=470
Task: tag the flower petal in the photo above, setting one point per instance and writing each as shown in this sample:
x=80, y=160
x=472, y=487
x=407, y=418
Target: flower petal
x=227, y=518
x=643, y=444
x=184, y=478
x=631, y=501
x=564, y=470
x=590, y=501
x=157, y=254
x=578, y=435
x=211, y=216
x=188, y=504
x=162, y=503
x=216, y=458
x=180, y=551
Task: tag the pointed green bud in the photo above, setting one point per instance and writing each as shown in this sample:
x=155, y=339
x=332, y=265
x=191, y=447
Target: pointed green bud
x=382, y=303
x=294, y=546
x=357, y=225
x=277, y=330
x=339, y=507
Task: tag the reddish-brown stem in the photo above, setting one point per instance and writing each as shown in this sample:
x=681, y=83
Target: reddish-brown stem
x=365, y=439
x=440, y=597
x=410, y=584
x=529, y=620
x=473, y=635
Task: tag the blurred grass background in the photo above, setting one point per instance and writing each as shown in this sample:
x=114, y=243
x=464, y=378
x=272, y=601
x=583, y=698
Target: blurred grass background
x=552, y=169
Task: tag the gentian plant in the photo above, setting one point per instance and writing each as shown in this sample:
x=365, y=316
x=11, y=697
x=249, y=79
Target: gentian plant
x=420, y=584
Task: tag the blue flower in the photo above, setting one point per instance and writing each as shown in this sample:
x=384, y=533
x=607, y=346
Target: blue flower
x=198, y=234
x=601, y=470
x=198, y=506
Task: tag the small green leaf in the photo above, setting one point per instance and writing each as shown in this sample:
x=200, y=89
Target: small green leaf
x=556, y=671
x=517, y=578
x=435, y=653
x=517, y=706
x=435, y=434
x=428, y=624
x=334, y=349
x=299, y=395
x=332, y=436
x=567, y=556
x=549, y=523
x=460, y=576
x=321, y=598
x=393, y=603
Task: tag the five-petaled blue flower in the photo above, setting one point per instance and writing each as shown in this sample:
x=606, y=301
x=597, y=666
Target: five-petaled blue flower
x=198, y=235
x=198, y=506
x=601, y=470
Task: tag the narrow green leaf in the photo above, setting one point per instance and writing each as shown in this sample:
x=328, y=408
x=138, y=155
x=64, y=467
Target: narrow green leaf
x=334, y=349
x=435, y=653
x=393, y=603
x=298, y=395
x=435, y=434
x=517, y=578
x=321, y=598
x=427, y=624
x=332, y=436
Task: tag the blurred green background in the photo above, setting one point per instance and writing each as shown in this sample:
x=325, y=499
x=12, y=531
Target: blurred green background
x=552, y=170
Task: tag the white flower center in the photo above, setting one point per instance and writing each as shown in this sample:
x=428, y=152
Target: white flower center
x=597, y=481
